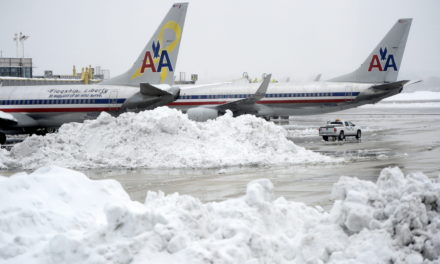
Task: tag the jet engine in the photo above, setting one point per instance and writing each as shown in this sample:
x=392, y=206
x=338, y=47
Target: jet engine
x=202, y=114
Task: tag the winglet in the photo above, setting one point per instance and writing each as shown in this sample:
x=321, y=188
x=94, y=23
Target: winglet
x=261, y=92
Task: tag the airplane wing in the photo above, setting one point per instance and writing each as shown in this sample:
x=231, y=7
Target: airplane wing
x=413, y=82
x=236, y=105
x=390, y=86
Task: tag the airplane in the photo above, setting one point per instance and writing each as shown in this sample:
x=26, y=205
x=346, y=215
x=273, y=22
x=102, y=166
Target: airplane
x=146, y=85
x=374, y=80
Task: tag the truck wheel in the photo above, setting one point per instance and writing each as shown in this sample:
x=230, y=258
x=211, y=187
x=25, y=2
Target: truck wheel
x=341, y=136
x=359, y=134
x=2, y=138
x=325, y=138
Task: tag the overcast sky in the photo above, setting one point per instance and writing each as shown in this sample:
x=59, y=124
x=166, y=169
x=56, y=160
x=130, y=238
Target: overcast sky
x=222, y=39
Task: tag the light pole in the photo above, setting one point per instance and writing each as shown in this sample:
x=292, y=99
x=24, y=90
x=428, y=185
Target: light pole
x=22, y=39
x=16, y=39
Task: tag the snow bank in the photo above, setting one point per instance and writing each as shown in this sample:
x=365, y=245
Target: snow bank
x=57, y=215
x=163, y=138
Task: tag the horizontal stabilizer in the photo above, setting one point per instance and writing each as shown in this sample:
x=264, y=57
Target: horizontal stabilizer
x=150, y=90
x=149, y=97
x=390, y=86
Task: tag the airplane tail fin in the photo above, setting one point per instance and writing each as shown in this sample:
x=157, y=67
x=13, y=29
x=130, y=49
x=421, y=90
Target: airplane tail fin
x=383, y=64
x=157, y=61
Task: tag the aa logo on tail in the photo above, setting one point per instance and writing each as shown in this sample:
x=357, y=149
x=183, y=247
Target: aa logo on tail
x=157, y=58
x=162, y=55
x=377, y=63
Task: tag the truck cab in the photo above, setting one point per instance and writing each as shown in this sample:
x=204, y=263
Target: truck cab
x=339, y=129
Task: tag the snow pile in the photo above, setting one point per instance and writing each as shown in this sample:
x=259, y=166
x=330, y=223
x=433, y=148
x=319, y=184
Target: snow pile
x=5, y=160
x=57, y=215
x=163, y=138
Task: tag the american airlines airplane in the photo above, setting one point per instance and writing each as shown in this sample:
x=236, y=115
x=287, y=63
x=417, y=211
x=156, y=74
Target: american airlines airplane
x=146, y=85
x=25, y=109
x=374, y=80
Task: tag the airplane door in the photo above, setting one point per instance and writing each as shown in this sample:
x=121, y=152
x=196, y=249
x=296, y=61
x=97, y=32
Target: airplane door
x=113, y=100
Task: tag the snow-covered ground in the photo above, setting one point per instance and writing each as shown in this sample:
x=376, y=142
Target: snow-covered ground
x=161, y=138
x=57, y=215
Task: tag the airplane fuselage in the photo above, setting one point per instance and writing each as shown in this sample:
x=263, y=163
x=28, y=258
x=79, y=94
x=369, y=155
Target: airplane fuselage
x=283, y=99
x=51, y=106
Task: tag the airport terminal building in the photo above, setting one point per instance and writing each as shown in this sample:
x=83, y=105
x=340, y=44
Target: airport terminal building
x=16, y=67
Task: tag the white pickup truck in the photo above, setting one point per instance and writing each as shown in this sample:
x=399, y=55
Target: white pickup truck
x=339, y=129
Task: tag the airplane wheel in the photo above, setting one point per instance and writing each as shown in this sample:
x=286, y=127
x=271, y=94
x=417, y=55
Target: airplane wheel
x=2, y=138
x=358, y=135
x=325, y=138
x=341, y=136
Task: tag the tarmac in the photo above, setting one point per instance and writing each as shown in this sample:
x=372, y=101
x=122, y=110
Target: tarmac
x=404, y=137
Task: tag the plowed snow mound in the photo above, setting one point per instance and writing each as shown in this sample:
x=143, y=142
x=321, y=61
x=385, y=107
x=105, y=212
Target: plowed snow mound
x=57, y=215
x=162, y=138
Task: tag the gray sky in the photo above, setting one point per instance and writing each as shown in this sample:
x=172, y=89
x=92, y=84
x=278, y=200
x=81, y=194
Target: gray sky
x=222, y=39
